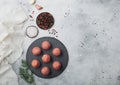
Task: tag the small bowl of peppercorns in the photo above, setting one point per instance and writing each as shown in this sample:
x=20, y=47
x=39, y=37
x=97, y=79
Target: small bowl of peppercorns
x=45, y=20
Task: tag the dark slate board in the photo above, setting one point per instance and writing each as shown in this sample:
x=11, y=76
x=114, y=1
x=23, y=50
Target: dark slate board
x=63, y=58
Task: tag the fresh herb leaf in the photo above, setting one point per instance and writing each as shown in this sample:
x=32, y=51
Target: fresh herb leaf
x=24, y=64
x=25, y=73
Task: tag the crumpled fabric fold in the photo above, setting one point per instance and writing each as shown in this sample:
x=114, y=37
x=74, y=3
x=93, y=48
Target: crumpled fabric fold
x=12, y=19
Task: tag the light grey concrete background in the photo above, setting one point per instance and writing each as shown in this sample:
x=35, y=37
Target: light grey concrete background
x=90, y=29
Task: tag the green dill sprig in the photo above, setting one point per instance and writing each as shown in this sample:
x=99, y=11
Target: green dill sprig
x=25, y=73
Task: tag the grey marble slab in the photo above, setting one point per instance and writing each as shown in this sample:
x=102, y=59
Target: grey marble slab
x=90, y=29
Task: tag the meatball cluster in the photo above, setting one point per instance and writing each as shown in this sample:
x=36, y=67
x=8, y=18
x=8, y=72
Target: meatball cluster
x=46, y=58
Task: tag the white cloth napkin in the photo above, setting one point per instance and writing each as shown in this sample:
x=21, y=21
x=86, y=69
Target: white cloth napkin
x=7, y=75
x=12, y=17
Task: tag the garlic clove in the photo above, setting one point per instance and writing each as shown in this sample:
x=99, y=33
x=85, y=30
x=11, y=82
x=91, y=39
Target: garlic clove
x=32, y=2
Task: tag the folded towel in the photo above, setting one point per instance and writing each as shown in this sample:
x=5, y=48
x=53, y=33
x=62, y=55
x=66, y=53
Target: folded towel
x=12, y=18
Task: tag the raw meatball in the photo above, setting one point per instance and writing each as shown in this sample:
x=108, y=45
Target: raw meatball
x=35, y=63
x=36, y=51
x=56, y=51
x=56, y=65
x=46, y=58
x=45, y=71
x=46, y=45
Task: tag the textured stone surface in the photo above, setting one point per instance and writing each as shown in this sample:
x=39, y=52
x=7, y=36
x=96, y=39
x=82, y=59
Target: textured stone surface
x=90, y=29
